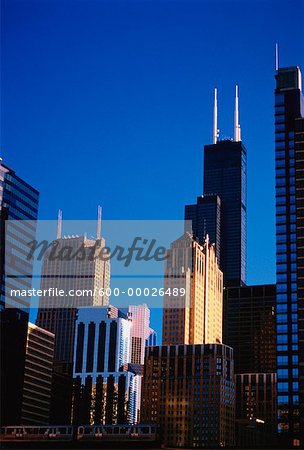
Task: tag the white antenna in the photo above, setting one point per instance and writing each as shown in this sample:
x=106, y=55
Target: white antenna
x=59, y=224
x=237, y=126
x=276, y=57
x=215, y=130
x=99, y=214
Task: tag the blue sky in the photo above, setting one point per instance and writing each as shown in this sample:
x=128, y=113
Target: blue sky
x=110, y=102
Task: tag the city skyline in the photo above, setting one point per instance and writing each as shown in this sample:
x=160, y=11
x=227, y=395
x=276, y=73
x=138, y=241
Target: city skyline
x=183, y=127
x=113, y=106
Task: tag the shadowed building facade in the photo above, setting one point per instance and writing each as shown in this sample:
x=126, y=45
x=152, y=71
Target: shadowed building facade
x=18, y=214
x=205, y=217
x=36, y=401
x=256, y=399
x=249, y=327
x=225, y=174
x=289, y=154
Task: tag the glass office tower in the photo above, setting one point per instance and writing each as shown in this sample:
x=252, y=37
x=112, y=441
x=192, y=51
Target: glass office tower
x=289, y=153
x=225, y=169
x=205, y=215
x=19, y=206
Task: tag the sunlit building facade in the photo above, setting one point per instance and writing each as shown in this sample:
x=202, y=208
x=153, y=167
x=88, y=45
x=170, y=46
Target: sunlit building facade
x=140, y=315
x=194, y=314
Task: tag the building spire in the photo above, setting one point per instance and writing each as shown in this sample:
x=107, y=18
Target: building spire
x=237, y=126
x=99, y=214
x=215, y=130
x=276, y=66
x=59, y=224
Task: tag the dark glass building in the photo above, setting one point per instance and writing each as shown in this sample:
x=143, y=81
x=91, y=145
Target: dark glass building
x=225, y=175
x=221, y=211
x=18, y=213
x=205, y=215
x=289, y=155
x=256, y=398
x=249, y=327
x=256, y=410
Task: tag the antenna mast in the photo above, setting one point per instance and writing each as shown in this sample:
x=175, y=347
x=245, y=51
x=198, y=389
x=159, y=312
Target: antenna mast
x=237, y=126
x=99, y=214
x=59, y=224
x=276, y=57
x=215, y=130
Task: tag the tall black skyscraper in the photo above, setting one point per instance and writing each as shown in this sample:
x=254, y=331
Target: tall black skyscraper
x=19, y=206
x=224, y=176
x=206, y=215
x=289, y=153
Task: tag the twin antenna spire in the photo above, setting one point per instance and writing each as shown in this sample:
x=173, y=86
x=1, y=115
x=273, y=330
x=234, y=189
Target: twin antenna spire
x=99, y=219
x=237, y=126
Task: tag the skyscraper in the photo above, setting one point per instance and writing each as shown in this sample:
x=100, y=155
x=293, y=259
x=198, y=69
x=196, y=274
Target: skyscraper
x=18, y=214
x=194, y=316
x=249, y=327
x=37, y=386
x=189, y=391
x=289, y=154
x=206, y=215
x=225, y=166
x=105, y=386
x=87, y=275
x=140, y=331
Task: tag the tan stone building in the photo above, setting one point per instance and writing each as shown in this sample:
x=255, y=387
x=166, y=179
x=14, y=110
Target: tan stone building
x=193, y=300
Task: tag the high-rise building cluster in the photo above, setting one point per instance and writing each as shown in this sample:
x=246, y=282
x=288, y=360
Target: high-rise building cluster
x=230, y=370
